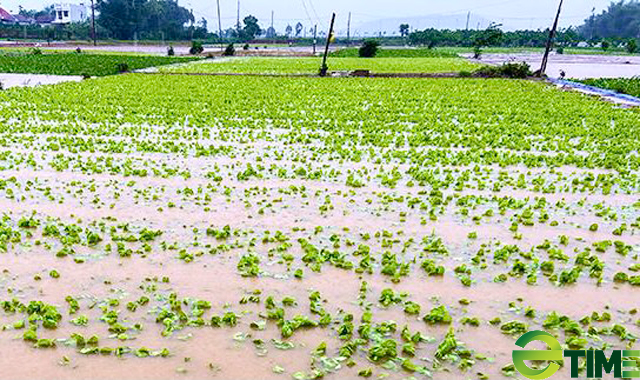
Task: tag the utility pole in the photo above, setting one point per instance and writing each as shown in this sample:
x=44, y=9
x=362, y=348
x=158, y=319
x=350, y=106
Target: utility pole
x=220, y=26
x=468, y=18
x=192, y=18
x=349, y=30
x=272, y=29
x=593, y=22
x=315, y=38
x=93, y=23
x=552, y=33
x=324, y=68
x=238, y=20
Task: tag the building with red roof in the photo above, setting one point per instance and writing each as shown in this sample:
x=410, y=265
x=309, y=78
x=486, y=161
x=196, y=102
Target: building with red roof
x=6, y=17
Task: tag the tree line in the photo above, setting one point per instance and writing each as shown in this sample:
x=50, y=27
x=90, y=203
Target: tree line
x=492, y=36
x=167, y=20
x=148, y=19
x=618, y=25
x=619, y=22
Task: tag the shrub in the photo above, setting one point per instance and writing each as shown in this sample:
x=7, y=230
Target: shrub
x=123, y=67
x=508, y=70
x=36, y=51
x=605, y=45
x=631, y=46
x=369, y=49
x=196, y=48
x=229, y=51
x=245, y=47
x=560, y=50
x=477, y=52
x=170, y=51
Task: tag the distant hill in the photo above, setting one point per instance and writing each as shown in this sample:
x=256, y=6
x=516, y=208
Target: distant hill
x=453, y=22
x=391, y=25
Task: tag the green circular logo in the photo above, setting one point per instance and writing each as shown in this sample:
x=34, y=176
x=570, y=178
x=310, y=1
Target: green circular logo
x=554, y=353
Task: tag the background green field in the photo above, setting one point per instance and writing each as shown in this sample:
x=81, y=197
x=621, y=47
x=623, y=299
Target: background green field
x=312, y=65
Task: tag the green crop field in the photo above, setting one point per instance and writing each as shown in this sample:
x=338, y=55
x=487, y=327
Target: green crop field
x=79, y=64
x=312, y=65
x=176, y=226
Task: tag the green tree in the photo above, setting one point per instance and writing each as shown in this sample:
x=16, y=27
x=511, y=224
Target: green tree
x=251, y=28
x=271, y=32
x=126, y=19
x=369, y=48
x=404, y=30
x=34, y=13
x=489, y=37
x=620, y=21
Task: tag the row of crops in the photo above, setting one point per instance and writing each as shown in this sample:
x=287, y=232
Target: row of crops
x=80, y=63
x=162, y=226
x=311, y=65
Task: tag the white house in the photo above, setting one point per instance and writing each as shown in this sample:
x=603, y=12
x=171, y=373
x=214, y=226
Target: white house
x=67, y=13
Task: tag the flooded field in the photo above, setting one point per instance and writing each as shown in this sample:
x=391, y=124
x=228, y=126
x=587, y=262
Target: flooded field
x=243, y=227
x=32, y=80
x=575, y=66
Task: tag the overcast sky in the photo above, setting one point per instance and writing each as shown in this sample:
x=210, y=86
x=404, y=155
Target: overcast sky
x=514, y=13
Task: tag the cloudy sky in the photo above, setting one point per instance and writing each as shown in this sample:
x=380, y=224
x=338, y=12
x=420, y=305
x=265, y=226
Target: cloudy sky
x=512, y=13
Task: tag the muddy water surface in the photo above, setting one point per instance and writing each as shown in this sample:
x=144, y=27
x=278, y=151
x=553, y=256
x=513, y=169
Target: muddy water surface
x=244, y=263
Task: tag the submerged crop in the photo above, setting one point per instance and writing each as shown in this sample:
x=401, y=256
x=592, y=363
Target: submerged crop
x=303, y=227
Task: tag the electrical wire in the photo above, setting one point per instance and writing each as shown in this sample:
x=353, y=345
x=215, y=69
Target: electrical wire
x=320, y=21
x=304, y=5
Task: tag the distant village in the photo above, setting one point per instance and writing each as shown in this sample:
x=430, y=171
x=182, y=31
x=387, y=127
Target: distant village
x=62, y=14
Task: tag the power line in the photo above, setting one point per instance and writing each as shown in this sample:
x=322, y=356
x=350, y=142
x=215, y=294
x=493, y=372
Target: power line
x=306, y=11
x=313, y=9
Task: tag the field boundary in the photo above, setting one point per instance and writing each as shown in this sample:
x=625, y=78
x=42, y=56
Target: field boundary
x=332, y=75
x=608, y=95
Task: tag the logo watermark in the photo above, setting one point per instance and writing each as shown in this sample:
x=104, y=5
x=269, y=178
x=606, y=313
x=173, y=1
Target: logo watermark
x=597, y=362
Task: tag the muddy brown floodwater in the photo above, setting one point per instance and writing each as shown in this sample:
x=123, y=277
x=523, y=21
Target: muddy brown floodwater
x=206, y=352
x=266, y=257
